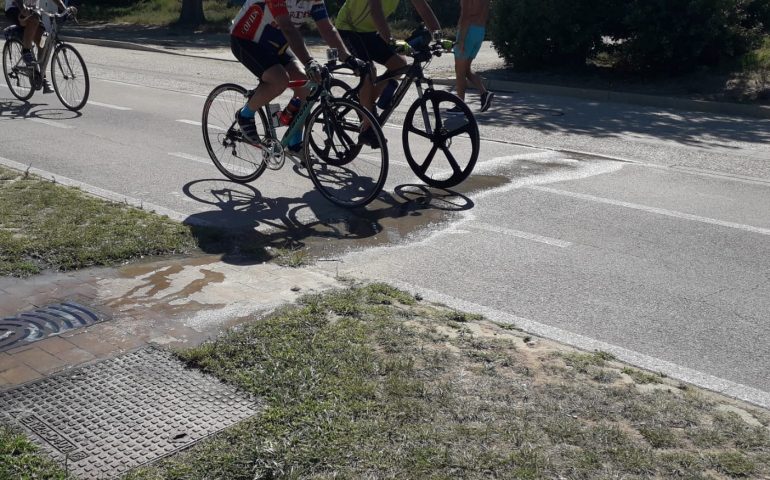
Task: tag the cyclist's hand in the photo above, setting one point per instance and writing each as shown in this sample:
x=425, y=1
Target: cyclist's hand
x=401, y=47
x=71, y=11
x=314, y=70
x=358, y=66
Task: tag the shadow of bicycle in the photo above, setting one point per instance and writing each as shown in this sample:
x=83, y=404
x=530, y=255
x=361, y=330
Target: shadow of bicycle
x=16, y=109
x=245, y=226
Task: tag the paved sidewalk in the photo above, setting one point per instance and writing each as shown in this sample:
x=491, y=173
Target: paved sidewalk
x=170, y=303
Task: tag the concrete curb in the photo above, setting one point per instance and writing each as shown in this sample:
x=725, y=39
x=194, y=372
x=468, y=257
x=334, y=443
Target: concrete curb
x=719, y=108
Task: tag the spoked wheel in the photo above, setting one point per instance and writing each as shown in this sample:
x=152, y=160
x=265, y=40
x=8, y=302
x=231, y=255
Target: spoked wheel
x=18, y=76
x=441, y=139
x=338, y=89
x=70, y=77
x=348, y=173
x=236, y=158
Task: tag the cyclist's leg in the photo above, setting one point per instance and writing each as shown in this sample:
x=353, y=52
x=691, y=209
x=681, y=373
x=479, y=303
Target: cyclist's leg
x=296, y=72
x=266, y=64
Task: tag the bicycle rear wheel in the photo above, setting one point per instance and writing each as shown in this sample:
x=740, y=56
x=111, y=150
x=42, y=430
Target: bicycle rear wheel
x=441, y=139
x=70, y=77
x=18, y=76
x=236, y=158
x=347, y=172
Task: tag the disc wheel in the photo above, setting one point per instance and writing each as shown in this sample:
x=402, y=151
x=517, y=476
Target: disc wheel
x=347, y=172
x=70, y=77
x=18, y=76
x=236, y=158
x=441, y=139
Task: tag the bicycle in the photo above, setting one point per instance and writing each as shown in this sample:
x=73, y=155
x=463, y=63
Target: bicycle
x=443, y=118
x=343, y=170
x=68, y=70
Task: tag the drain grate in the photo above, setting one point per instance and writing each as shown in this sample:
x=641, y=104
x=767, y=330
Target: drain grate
x=44, y=322
x=107, y=418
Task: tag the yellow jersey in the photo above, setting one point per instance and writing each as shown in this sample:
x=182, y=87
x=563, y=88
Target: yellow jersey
x=356, y=15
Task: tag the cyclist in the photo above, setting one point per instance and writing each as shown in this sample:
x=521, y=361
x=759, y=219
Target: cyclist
x=364, y=27
x=260, y=37
x=470, y=34
x=22, y=15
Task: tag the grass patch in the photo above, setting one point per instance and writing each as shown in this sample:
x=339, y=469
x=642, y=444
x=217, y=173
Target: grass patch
x=365, y=382
x=19, y=458
x=44, y=225
x=218, y=13
x=292, y=257
x=642, y=377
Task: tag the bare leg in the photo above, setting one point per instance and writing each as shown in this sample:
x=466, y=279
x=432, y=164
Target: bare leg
x=476, y=80
x=31, y=26
x=462, y=69
x=274, y=82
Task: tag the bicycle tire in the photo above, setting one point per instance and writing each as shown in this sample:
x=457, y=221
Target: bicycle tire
x=357, y=177
x=343, y=90
x=435, y=105
x=222, y=135
x=65, y=63
x=14, y=77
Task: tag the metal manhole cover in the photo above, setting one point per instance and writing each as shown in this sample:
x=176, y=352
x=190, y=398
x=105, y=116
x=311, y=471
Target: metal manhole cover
x=44, y=322
x=107, y=418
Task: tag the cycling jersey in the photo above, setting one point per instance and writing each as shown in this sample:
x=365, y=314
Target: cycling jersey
x=356, y=15
x=256, y=19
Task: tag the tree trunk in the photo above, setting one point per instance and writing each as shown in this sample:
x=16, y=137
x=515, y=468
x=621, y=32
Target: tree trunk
x=192, y=13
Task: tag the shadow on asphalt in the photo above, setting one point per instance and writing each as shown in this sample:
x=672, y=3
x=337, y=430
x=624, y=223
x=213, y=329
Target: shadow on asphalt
x=245, y=224
x=15, y=109
x=563, y=115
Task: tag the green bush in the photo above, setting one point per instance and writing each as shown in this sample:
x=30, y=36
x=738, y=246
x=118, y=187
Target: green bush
x=680, y=35
x=545, y=33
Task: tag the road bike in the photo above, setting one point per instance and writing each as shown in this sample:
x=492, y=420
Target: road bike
x=440, y=134
x=343, y=169
x=69, y=74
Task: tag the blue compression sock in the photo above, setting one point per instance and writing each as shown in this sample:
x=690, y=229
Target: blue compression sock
x=246, y=112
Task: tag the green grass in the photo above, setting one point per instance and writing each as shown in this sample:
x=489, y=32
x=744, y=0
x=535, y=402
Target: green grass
x=155, y=12
x=19, y=459
x=44, y=225
x=367, y=382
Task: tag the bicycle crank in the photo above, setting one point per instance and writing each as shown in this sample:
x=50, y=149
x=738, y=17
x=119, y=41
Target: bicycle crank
x=273, y=154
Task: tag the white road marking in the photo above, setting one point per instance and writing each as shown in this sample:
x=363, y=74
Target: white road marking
x=107, y=105
x=50, y=123
x=194, y=158
x=659, y=211
x=190, y=122
x=518, y=233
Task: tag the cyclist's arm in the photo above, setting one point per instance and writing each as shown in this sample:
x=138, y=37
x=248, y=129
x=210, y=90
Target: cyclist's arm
x=427, y=15
x=294, y=38
x=332, y=37
x=378, y=17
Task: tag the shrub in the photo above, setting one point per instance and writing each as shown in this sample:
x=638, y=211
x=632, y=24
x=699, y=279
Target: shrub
x=544, y=33
x=680, y=35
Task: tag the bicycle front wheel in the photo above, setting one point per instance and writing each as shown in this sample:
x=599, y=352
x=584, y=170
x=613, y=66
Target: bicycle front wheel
x=18, y=76
x=70, y=77
x=235, y=157
x=347, y=171
x=441, y=139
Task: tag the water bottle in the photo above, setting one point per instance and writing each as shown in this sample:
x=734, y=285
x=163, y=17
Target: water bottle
x=291, y=109
x=387, y=93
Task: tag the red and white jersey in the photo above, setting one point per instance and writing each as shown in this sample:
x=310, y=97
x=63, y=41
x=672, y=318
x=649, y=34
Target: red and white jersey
x=256, y=19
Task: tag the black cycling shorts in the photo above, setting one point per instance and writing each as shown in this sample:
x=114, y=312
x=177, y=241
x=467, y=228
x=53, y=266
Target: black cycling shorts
x=368, y=46
x=12, y=14
x=257, y=58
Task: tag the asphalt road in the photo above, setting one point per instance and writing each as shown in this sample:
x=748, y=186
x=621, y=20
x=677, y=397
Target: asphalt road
x=638, y=231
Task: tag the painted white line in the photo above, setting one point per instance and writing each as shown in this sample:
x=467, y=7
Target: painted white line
x=659, y=211
x=107, y=105
x=102, y=193
x=518, y=233
x=190, y=122
x=194, y=158
x=50, y=123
